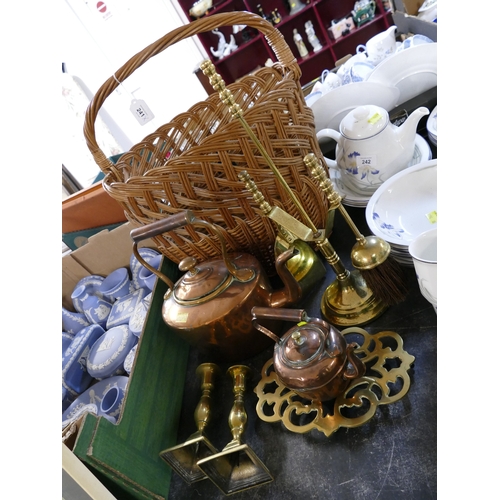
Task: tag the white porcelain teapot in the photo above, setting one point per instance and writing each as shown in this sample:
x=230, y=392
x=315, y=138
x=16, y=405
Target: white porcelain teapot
x=370, y=149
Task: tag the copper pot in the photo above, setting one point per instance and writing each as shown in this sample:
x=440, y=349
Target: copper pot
x=210, y=305
x=313, y=358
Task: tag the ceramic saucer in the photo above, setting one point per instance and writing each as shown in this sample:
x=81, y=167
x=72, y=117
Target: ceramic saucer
x=92, y=396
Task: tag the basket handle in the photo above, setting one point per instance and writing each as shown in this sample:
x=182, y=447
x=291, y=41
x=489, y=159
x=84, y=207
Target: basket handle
x=275, y=39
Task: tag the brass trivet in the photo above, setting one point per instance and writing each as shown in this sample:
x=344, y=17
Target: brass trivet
x=386, y=381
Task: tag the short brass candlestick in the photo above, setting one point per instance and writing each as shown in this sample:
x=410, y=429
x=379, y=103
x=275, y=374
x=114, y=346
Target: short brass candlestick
x=183, y=458
x=236, y=467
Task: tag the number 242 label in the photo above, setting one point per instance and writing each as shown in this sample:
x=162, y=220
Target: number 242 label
x=366, y=161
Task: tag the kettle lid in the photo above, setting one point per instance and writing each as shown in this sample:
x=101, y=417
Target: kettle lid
x=302, y=345
x=364, y=122
x=201, y=281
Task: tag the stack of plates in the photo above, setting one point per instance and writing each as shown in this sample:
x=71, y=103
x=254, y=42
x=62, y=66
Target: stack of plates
x=403, y=207
x=432, y=126
x=422, y=153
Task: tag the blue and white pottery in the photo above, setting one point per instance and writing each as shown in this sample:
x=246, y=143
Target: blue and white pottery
x=135, y=266
x=138, y=318
x=93, y=396
x=129, y=360
x=107, y=355
x=75, y=377
x=88, y=408
x=67, y=398
x=147, y=279
x=73, y=322
x=92, y=284
x=111, y=403
x=124, y=308
x=67, y=338
x=96, y=309
x=117, y=284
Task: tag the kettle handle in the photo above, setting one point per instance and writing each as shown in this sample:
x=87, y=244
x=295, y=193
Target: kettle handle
x=294, y=315
x=173, y=222
x=355, y=367
x=162, y=226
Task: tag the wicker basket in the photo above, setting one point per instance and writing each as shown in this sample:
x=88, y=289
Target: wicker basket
x=193, y=162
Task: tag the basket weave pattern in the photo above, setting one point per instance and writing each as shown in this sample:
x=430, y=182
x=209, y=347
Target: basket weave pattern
x=193, y=162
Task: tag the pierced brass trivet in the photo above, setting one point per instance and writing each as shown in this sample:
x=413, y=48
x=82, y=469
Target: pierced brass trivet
x=386, y=381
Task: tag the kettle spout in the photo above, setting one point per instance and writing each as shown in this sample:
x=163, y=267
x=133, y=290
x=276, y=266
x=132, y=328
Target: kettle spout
x=408, y=130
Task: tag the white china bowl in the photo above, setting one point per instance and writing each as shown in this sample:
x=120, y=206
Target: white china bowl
x=405, y=205
x=413, y=71
x=330, y=109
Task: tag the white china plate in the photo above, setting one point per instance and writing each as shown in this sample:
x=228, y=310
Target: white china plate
x=330, y=109
x=92, y=396
x=413, y=71
x=403, y=206
x=421, y=153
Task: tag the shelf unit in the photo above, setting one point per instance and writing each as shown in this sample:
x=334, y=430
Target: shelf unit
x=253, y=49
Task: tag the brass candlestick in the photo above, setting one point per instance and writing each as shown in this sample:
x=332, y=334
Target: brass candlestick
x=236, y=467
x=347, y=301
x=183, y=458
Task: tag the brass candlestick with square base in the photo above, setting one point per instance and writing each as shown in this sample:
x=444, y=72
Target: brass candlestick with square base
x=236, y=467
x=183, y=458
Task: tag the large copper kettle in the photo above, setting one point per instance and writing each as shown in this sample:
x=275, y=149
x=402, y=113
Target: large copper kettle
x=210, y=305
x=313, y=358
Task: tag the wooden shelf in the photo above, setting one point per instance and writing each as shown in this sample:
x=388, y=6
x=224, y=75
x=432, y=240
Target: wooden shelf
x=254, y=52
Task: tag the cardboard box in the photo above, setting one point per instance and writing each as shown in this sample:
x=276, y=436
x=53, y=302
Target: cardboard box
x=125, y=457
x=405, y=18
x=77, y=239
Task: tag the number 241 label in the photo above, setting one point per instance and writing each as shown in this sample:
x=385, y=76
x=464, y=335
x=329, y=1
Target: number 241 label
x=366, y=161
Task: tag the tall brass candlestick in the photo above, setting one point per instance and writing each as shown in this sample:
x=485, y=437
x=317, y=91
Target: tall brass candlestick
x=183, y=458
x=236, y=467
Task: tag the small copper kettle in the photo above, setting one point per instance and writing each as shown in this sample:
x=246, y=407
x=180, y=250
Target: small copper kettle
x=210, y=305
x=313, y=358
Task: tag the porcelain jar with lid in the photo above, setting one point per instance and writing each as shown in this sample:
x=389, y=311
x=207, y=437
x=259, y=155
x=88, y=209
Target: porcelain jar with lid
x=370, y=149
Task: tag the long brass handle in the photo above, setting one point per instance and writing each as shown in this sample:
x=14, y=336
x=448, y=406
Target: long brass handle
x=227, y=98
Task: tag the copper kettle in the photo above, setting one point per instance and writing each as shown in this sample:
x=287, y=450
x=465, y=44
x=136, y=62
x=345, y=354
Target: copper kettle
x=313, y=358
x=210, y=305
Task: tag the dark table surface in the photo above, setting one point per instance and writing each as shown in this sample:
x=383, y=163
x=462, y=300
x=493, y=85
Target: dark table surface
x=392, y=456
